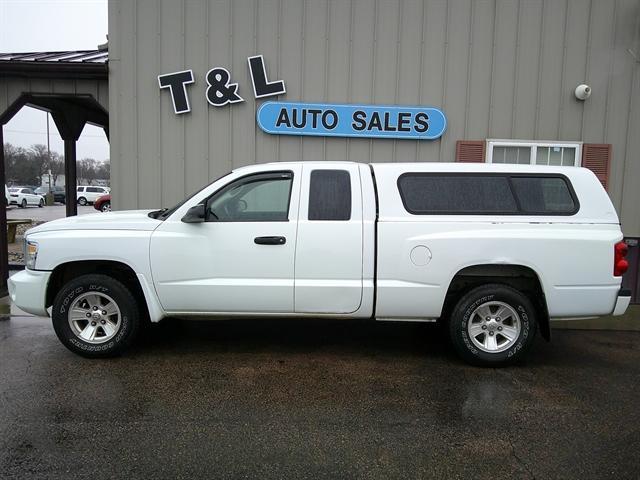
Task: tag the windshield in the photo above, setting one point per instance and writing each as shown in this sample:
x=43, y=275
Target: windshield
x=164, y=213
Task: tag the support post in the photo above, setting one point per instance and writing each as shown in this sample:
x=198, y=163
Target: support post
x=71, y=181
x=4, y=255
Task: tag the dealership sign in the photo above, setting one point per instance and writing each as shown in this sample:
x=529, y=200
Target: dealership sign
x=339, y=120
x=319, y=119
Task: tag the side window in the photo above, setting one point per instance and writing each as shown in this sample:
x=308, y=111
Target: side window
x=543, y=195
x=330, y=195
x=482, y=194
x=424, y=194
x=262, y=197
x=94, y=190
x=80, y=189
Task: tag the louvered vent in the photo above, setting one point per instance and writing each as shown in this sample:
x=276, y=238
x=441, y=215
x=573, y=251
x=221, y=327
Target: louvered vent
x=470, y=151
x=597, y=158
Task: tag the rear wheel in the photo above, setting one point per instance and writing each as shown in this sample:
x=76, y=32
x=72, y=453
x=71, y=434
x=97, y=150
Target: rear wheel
x=82, y=201
x=95, y=316
x=493, y=325
x=23, y=204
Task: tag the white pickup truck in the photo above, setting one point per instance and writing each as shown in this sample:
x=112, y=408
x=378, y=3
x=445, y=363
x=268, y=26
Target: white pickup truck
x=493, y=250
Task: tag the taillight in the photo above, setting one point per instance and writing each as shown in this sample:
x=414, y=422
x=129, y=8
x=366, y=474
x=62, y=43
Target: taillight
x=620, y=264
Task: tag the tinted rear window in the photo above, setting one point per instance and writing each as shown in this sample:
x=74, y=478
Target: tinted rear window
x=543, y=195
x=330, y=195
x=429, y=194
x=486, y=194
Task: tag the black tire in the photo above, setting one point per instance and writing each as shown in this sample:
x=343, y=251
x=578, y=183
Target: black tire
x=487, y=296
x=101, y=284
x=23, y=204
x=82, y=201
x=106, y=207
x=41, y=204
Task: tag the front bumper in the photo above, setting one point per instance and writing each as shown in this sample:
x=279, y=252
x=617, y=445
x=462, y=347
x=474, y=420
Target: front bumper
x=28, y=289
x=622, y=302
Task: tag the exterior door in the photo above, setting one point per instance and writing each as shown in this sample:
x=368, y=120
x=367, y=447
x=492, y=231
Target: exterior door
x=241, y=258
x=329, y=250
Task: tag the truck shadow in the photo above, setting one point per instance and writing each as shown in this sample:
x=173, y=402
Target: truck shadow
x=359, y=337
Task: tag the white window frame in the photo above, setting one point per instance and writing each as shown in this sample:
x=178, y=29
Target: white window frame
x=534, y=144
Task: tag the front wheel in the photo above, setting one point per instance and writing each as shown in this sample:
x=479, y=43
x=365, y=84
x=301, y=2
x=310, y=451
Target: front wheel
x=493, y=325
x=95, y=316
x=82, y=201
x=41, y=203
x=106, y=207
x=23, y=204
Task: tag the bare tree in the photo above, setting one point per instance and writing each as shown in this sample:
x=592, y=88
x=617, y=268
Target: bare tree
x=56, y=166
x=40, y=159
x=87, y=170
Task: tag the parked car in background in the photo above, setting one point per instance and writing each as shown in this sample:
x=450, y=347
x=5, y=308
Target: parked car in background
x=87, y=194
x=23, y=196
x=59, y=194
x=6, y=194
x=103, y=203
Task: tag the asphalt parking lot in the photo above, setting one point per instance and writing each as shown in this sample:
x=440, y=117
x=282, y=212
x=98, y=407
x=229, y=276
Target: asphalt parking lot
x=315, y=399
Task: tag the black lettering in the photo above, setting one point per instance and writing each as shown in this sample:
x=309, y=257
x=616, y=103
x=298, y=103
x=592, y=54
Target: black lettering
x=177, y=84
x=219, y=89
x=404, y=118
x=421, y=122
x=262, y=87
x=375, y=122
x=359, y=120
x=283, y=118
x=303, y=119
x=325, y=123
x=387, y=126
x=314, y=119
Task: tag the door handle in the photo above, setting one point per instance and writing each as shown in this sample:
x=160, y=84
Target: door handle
x=270, y=240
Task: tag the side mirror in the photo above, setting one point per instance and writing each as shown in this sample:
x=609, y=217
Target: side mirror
x=195, y=214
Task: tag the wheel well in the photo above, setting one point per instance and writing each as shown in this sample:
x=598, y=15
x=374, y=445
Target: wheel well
x=517, y=276
x=117, y=270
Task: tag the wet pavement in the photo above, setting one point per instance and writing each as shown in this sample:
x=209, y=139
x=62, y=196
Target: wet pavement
x=315, y=399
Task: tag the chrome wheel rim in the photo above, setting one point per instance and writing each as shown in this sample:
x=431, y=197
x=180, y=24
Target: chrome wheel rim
x=494, y=327
x=94, y=317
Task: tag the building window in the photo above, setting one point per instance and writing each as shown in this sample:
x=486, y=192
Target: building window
x=567, y=154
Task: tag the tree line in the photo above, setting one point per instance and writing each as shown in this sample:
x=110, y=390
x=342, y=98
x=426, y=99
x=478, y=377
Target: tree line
x=28, y=166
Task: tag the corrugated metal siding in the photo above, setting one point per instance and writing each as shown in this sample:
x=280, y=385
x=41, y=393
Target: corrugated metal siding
x=498, y=68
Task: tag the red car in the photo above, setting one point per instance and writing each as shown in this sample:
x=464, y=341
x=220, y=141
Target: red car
x=103, y=203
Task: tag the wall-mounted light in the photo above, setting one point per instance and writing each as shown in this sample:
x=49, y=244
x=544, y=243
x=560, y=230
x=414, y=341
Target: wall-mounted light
x=583, y=91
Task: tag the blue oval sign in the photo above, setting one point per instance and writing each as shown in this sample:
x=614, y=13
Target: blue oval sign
x=341, y=120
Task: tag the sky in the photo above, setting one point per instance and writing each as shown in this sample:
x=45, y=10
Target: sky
x=52, y=25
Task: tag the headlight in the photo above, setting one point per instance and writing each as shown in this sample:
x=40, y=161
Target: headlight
x=30, y=253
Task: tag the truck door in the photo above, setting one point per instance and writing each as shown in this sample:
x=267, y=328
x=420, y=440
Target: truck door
x=241, y=259
x=328, y=258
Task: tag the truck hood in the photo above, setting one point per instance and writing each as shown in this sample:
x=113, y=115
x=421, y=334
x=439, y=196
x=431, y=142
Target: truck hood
x=126, y=220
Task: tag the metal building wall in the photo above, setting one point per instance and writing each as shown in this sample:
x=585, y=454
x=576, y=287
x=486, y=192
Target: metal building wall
x=498, y=69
